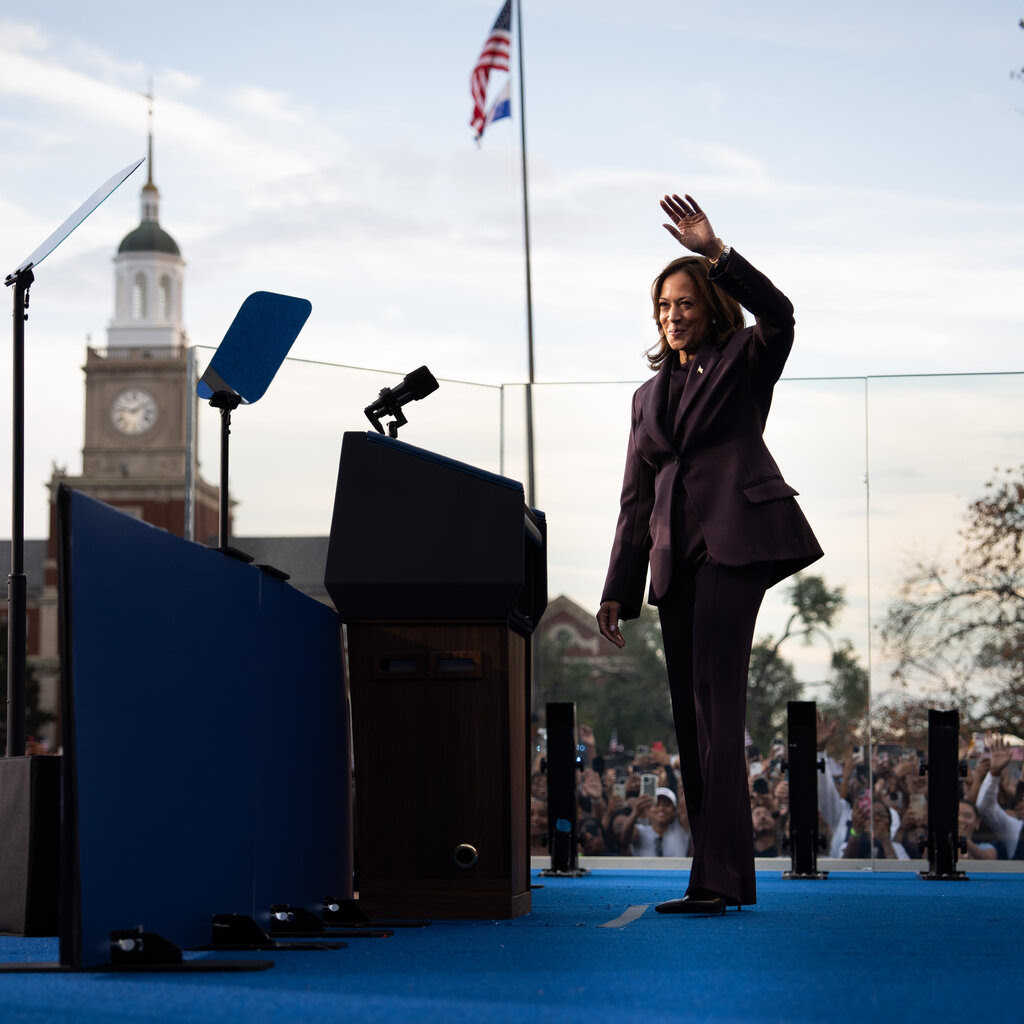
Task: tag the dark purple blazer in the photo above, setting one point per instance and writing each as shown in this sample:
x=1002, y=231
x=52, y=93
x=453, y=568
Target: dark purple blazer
x=715, y=453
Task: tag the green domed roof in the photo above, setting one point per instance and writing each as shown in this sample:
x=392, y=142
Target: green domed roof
x=149, y=237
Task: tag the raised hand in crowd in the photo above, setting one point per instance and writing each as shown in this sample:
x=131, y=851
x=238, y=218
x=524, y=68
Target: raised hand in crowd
x=782, y=796
x=640, y=809
x=999, y=754
x=590, y=786
x=977, y=777
x=614, y=804
x=849, y=765
x=825, y=729
x=859, y=825
x=586, y=737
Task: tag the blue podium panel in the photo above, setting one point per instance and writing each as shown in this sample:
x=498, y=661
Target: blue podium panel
x=302, y=749
x=206, y=754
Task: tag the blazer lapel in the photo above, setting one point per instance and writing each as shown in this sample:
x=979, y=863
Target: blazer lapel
x=698, y=377
x=654, y=406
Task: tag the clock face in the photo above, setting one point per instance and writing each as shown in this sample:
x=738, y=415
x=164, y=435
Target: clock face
x=133, y=411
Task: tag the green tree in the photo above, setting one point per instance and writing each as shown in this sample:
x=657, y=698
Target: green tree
x=771, y=684
x=849, y=693
x=958, y=632
x=627, y=691
x=772, y=681
x=638, y=697
x=623, y=691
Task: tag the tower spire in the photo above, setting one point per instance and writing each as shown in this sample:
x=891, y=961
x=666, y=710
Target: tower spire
x=150, y=193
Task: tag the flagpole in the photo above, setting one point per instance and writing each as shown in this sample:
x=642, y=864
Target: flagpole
x=530, y=477
x=531, y=493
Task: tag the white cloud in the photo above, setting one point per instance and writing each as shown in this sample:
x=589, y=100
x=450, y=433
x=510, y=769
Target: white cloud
x=266, y=103
x=21, y=35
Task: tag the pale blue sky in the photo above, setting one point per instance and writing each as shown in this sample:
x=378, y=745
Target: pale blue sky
x=867, y=157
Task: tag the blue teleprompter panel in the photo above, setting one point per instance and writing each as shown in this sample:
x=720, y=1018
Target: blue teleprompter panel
x=257, y=342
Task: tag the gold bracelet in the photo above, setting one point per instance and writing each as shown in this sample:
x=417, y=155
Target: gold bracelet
x=726, y=249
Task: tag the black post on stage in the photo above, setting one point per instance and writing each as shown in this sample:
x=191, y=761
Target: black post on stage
x=943, y=770
x=17, y=582
x=561, y=766
x=226, y=401
x=802, y=767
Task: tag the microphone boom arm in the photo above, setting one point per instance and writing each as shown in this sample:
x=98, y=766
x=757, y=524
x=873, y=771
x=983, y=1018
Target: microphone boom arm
x=414, y=386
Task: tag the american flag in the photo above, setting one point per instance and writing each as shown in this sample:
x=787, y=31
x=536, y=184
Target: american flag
x=501, y=107
x=494, y=55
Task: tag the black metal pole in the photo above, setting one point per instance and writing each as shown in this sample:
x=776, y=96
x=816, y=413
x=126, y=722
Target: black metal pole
x=17, y=583
x=531, y=492
x=223, y=532
x=802, y=765
x=943, y=769
x=562, y=764
x=225, y=401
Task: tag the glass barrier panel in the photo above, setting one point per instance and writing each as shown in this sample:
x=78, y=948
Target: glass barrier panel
x=947, y=490
x=913, y=486
x=812, y=637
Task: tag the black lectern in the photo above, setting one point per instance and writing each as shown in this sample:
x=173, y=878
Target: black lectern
x=438, y=570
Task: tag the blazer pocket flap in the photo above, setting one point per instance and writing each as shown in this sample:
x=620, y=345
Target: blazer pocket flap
x=769, y=490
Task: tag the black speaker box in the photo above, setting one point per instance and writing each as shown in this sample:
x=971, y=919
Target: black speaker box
x=30, y=845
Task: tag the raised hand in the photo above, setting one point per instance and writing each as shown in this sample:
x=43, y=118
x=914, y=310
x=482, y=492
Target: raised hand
x=1000, y=755
x=825, y=729
x=690, y=226
x=591, y=784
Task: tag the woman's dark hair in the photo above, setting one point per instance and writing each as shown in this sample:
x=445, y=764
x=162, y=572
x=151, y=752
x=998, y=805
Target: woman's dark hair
x=726, y=312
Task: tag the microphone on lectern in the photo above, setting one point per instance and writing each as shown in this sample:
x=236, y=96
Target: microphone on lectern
x=414, y=386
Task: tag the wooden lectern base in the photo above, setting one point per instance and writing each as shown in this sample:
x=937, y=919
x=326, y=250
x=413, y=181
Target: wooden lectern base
x=440, y=721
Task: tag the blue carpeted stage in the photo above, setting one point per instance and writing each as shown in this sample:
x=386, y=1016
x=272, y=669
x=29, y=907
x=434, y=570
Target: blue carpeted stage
x=859, y=945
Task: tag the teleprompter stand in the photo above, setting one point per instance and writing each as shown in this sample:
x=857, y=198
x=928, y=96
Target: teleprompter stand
x=264, y=329
x=29, y=794
x=17, y=585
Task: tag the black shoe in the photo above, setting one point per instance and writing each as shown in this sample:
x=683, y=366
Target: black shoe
x=706, y=903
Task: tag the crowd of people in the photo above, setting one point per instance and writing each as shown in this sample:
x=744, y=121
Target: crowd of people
x=869, y=806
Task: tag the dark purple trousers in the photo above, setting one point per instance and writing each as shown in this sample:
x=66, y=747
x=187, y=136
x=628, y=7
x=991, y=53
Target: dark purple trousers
x=707, y=624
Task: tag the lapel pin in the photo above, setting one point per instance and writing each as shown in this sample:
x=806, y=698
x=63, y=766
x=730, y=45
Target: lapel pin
x=700, y=369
